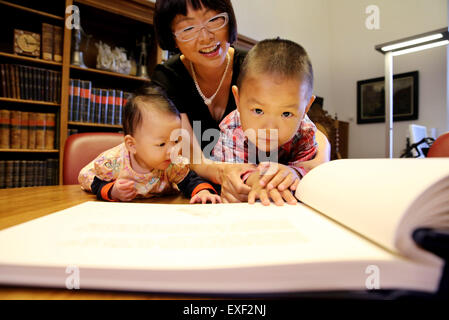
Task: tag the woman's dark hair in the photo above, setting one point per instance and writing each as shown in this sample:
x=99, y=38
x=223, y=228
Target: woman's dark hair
x=166, y=10
x=151, y=97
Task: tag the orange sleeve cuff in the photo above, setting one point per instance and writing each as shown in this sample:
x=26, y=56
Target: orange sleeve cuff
x=105, y=192
x=202, y=186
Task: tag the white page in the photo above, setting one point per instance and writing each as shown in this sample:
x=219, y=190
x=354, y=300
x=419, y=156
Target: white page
x=371, y=195
x=135, y=235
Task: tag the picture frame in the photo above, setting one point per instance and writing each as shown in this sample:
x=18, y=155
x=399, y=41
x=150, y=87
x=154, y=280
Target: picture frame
x=371, y=98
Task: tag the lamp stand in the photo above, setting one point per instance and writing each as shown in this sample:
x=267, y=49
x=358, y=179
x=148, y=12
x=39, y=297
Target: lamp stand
x=389, y=105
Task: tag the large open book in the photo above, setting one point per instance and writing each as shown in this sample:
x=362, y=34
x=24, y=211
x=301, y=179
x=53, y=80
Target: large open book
x=352, y=232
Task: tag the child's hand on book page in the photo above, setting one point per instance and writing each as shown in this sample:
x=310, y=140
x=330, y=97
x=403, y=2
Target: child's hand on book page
x=276, y=175
x=123, y=190
x=233, y=189
x=205, y=196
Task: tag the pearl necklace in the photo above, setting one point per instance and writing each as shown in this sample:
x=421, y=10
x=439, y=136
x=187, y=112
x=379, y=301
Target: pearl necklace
x=208, y=101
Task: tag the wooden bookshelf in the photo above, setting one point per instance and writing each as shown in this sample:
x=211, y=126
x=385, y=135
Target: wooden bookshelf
x=45, y=103
x=30, y=150
x=109, y=73
x=119, y=23
x=97, y=125
x=38, y=12
x=34, y=60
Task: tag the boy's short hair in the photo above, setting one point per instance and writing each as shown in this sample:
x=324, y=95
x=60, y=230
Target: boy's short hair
x=278, y=57
x=167, y=10
x=151, y=97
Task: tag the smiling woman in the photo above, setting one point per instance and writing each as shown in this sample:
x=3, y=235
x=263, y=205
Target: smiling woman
x=200, y=77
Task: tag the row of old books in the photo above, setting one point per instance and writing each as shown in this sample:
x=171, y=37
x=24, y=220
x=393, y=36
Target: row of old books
x=27, y=130
x=95, y=105
x=51, y=42
x=30, y=83
x=28, y=173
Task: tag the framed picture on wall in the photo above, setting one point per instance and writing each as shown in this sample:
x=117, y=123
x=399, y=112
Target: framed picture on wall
x=371, y=98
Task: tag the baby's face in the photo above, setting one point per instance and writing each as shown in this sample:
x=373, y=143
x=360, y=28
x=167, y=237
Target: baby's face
x=152, y=139
x=269, y=102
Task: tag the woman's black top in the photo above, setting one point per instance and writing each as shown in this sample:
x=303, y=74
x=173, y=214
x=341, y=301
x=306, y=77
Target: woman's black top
x=180, y=87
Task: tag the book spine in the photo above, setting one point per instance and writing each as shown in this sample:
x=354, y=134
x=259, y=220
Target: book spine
x=57, y=43
x=84, y=94
x=104, y=105
x=35, y=172
x=76, y=100
x=22, y=173
x=29, y=174
x=33, y=91
x=58, y=87
x=71, y=88
x=26, y=85
x=5, y=129
x=48, y=85
x=16, y=174
x=8, y=81
x=15, y=129
x=93, y=105
x=2, y=174
x=40, y=131
x=87, y=100
x=24, y=130
x=50, y=131
x=55, y=87
x=9, y=172
x=21, y=82
x=17, y=81
x=32, y=119
x=97, y=116
x=118, y=106
x=111, y=107
x=47, y=41
x=13, y=81
x=3, y=75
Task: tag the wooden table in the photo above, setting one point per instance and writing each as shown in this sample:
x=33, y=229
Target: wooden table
x=23, y=204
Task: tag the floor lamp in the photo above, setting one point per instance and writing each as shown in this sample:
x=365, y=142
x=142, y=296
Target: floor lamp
x=415, y=43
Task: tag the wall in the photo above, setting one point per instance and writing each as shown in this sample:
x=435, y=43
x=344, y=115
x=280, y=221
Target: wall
x=342, y=52
x=354, y=58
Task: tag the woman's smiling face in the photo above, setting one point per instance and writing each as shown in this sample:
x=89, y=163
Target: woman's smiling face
x=209, y=48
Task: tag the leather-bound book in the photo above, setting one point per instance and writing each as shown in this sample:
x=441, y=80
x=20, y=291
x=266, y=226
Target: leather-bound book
x=4, y=129
x=47, y=41
x=57, y=43
x=24, y=130
x=50, y=131
x=15, y=129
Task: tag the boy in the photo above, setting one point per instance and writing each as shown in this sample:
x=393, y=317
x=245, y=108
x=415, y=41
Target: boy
x=141, y=165
x=273, y=95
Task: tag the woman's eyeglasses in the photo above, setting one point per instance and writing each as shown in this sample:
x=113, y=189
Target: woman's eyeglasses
x=213, y=24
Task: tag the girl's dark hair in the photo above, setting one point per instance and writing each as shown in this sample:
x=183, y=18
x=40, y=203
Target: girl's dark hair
x=151, y=97
x=166, y=10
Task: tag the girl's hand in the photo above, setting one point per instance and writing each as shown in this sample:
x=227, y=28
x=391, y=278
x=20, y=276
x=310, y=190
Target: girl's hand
x=205, y=196
x=123, y=190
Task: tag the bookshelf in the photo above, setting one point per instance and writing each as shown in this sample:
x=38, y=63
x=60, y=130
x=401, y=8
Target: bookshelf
x=118, y=23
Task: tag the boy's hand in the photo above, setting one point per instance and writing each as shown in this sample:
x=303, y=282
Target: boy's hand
x=276, y=175
x=259, y=192
x=204, y=196
x=278, y=197
x=123, y=190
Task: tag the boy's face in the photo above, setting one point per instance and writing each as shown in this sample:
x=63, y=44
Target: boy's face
x=269, y=102
x=151, y=144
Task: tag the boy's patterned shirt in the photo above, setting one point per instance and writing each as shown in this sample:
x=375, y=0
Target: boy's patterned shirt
x=232, y=145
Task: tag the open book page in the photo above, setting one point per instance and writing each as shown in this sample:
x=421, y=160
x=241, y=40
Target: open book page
x=228, y=248
x=135, y=235
x=376, y=196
